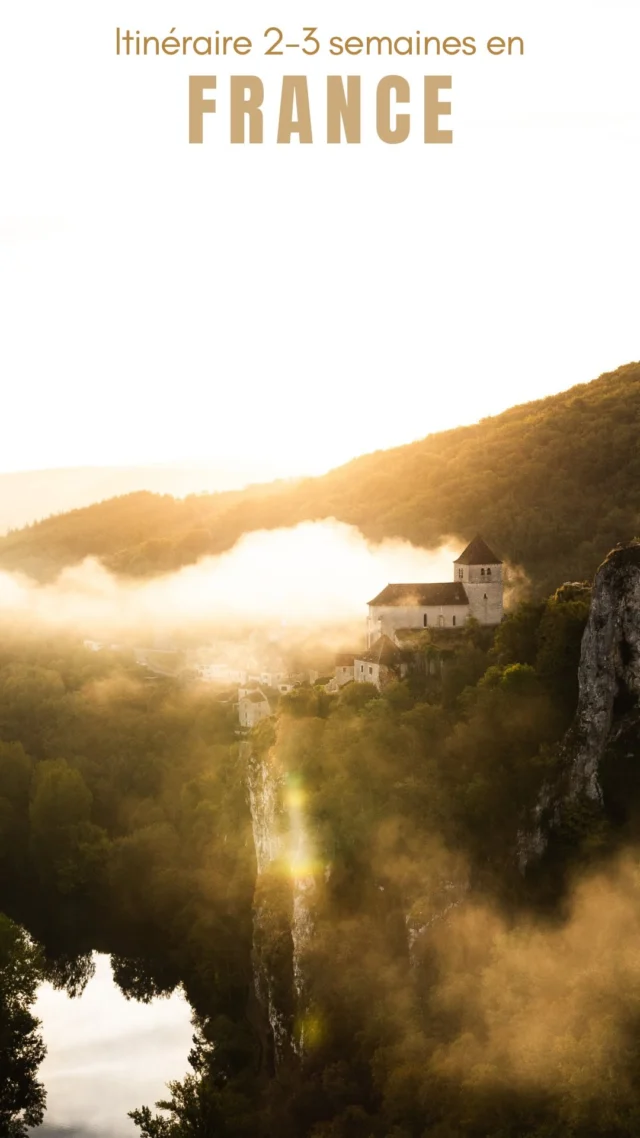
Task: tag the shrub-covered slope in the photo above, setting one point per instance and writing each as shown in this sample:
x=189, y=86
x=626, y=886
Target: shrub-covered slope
x=552, y=484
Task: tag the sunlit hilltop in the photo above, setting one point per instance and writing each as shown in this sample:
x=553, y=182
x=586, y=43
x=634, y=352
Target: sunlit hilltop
x=555, y=482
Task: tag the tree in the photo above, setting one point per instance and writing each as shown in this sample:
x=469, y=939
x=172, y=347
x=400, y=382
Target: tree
x=66, y=846
x=15, y=776
x=207, y=1103
x=22, y=1097
x=559, y=639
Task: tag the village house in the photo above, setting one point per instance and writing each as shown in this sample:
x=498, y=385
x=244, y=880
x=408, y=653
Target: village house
x=253, y=706
x=343, y=669
x=381, y=664
x=475, y=591
x=273, y=679
x=220, y=674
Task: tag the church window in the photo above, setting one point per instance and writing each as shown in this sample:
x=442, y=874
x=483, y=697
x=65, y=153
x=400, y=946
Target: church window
x=485, y=597
x=461, y=573
x=425, y=620
x=482, y=572
x=370, y=671
x=488, y=572
x=454, y=621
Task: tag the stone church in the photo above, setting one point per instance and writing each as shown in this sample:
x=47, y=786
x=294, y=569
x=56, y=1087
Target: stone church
x=475, y=591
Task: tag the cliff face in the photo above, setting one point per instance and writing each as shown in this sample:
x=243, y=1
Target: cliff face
x=609, y=676
x=609, y=694
x=272, y=950
x=284, y=901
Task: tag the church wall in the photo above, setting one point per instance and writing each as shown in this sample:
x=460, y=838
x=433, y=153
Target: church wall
x=384, y=620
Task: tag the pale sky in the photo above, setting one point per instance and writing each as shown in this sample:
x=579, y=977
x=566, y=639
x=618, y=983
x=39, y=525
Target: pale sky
x=107, y=1055
x=163, y=302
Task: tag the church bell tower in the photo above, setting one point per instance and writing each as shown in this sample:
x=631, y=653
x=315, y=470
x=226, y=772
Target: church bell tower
x=479, y=571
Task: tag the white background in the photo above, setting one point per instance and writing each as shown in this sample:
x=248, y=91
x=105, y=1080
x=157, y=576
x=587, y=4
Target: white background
x=164, y=301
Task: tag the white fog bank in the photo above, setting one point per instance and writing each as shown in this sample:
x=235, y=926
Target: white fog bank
x=314, y=574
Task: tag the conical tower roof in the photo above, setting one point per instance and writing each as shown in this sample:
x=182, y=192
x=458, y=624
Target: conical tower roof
x=477, y=553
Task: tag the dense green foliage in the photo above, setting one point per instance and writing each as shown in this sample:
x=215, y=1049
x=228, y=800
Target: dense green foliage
x=413, y=799
x=442, y=995
x=22, y=1097
x=125, y=828
x=494, y=1025
x=122, y=821
x=552, y=484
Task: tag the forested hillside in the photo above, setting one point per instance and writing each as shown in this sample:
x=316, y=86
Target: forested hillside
x=439, y=994
x=126, y=827
x=553, y=484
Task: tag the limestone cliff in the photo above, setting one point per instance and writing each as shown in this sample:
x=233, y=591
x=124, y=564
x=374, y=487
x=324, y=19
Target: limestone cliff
x=609, y=690
x=284, y=899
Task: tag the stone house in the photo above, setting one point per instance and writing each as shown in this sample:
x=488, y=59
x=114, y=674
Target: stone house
x=252, y=707
x=382, y=663
x=343, y=673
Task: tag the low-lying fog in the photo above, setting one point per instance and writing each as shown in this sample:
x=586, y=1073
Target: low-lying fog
x=315, y=574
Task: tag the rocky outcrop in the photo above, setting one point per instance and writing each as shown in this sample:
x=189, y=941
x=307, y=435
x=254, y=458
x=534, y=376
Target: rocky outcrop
x=609, y=690
x=272, y=949
x=284, y=900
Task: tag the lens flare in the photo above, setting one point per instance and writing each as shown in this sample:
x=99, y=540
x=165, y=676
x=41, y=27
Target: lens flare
x=301, y=860
x=310, y=1031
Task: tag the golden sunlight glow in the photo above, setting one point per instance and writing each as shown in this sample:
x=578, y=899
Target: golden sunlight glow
x=309, y=573
x=310, y=1031
x=301, y=861
x=295, y=798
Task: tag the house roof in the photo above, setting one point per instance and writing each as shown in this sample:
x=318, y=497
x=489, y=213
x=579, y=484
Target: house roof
x=446, y=593
x=477, y=553
x=345, y=659
x=382, y=651
x=254, y=697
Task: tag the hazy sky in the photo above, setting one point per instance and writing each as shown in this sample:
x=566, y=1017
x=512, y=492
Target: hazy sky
x=164, y=301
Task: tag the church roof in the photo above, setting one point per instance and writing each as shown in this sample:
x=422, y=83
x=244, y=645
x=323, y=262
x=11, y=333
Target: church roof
x=446, y=593
x=477, y=553
x=383, y=651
